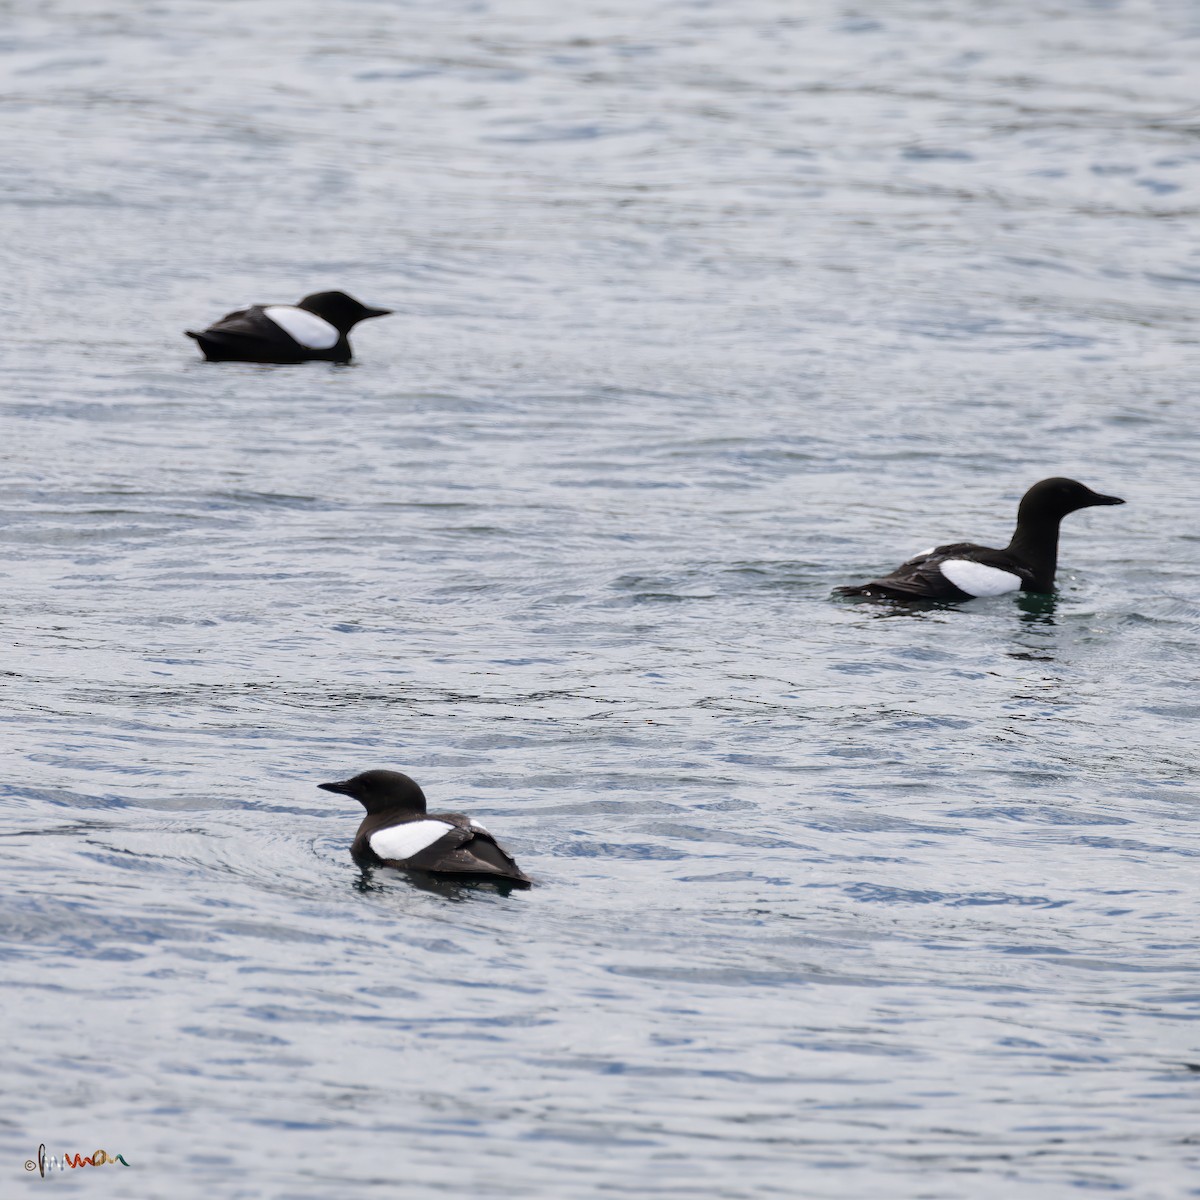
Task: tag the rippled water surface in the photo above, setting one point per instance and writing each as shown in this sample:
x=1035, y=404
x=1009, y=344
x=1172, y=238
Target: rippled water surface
x=701, y=310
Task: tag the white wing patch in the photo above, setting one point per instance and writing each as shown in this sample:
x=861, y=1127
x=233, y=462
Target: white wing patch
x=311, y=331
x=476, y=825
x=976, y=579
x=399, y=842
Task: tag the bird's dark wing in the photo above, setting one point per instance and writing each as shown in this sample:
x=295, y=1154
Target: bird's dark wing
x=468, y=849
x=916, y=579
x=921, y=578
x=249, y=335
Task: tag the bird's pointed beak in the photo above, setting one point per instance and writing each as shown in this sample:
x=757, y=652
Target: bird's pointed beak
x=376, y=312
x=1099, y=499
x=342, y=787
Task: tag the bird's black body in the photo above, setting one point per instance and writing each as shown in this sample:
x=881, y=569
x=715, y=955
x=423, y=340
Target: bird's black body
x=275, y=334
x=963, y=570
x=398, y=832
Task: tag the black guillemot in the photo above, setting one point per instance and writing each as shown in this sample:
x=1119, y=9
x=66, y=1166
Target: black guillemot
x=316, y=328
x=963, y=570
x=398, y=832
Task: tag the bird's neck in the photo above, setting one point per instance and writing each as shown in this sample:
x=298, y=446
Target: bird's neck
x=395, y=811
x=1036, y=544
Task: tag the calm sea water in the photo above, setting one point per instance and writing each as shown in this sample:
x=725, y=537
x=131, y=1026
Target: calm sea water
x=702, y=309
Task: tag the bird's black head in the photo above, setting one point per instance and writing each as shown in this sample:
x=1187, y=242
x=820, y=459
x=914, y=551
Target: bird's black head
x=381, y=791
x=341, y=311
x=1052, y=499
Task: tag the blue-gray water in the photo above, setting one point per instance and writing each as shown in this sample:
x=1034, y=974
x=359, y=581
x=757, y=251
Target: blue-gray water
x=702, y=309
